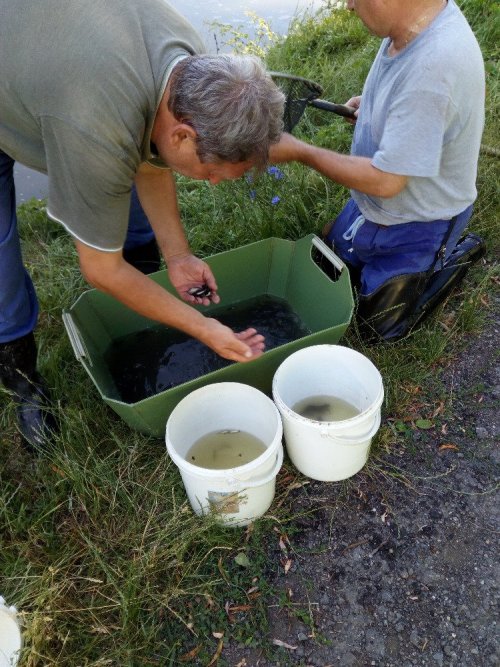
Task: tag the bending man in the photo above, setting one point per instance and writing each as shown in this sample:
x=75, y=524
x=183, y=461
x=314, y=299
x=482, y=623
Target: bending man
x=108, y=97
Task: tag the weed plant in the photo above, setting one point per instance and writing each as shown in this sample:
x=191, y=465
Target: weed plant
x=99, y=548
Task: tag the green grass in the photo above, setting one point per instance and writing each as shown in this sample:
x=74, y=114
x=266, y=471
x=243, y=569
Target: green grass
x=100, y=550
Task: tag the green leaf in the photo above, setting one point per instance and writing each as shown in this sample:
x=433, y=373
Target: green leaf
x=424, y=424
x=242, y=559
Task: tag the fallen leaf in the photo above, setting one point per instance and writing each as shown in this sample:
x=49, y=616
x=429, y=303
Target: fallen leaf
x=412, y=389
x=216, y=654
x=222, y=570
x=230, y=617
x=439, y=410
x=278, y=642
x=287, y=478
x=424, y=424
x=355, y=544
x=254, y=596
x=58, y=471
x=218, y=635
x=288, y=565
x=448, y=446
x=297, y=485
x=241, y=607
x=192, y=654
x=242, y=559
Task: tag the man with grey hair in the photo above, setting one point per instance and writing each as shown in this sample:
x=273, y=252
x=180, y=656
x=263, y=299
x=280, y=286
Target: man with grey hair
x=413, y=163
x=108, y=97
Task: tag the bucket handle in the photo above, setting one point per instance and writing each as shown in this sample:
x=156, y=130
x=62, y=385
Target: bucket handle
x=328, y=253
x=356, y=439
x=262, y=480
x=75, y=339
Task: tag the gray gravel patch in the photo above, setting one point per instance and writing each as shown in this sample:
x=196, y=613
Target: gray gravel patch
x=398, y=567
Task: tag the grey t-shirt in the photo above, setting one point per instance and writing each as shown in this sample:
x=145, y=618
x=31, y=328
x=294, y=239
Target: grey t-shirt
x=80, y=83
x=422, y=115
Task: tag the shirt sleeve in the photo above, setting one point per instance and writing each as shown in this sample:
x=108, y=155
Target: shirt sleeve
x=414, y=135
x=89, y=185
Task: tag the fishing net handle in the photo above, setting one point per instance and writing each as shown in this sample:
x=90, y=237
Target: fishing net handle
x=339, y=109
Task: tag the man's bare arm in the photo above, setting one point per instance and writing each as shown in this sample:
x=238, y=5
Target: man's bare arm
x=354, y=172
x=109, y=272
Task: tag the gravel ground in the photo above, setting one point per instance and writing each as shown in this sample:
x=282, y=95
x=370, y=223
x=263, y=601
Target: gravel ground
x=397, y=567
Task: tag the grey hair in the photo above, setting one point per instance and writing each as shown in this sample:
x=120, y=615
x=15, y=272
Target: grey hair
x=232, y=103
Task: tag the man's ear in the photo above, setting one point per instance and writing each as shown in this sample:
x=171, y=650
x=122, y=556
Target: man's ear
x=180, y=133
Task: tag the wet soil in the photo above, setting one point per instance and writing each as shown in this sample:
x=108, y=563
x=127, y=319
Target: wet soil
x=398, y=566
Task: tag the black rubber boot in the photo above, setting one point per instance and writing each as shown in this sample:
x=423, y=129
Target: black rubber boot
x=468, y=250
x=18, y=374
x=403, y=302
x=146, y=258
x=387, y=312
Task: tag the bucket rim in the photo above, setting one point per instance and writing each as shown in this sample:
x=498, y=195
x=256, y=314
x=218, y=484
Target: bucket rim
x=228, y=473
x=330, y=347
x=9, y=624
x=367, y=412
x=372, y=409
x=198, y=471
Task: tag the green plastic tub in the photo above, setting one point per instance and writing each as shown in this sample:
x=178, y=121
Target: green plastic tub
x=274, y=267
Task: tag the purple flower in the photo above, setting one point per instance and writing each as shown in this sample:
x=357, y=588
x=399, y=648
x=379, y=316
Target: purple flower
x=275, y=200
x=252, y=194
x=277, y=173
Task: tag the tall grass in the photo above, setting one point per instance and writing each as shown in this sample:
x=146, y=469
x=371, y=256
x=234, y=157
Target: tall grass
x=99, y=548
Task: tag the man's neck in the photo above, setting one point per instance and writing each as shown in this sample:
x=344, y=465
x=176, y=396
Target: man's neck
x=415, y=18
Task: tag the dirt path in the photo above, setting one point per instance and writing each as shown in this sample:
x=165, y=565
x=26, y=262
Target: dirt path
x=398, y=567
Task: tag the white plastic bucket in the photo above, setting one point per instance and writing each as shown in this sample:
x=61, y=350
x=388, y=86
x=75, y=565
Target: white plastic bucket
x=329, y=450
x=10, y=636
x=237, y=495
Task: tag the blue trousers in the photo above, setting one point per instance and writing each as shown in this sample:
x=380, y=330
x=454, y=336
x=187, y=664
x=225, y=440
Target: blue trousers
x=18, y=301
x=378, y=252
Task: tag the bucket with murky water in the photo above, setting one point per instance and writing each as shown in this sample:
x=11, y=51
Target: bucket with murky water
x=330, y=398
x=225, y=439
x=10, y=635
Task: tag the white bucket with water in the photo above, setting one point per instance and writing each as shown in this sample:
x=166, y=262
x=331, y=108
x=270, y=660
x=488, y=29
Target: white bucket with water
x=237, y=495
x=329, y=450
x=10, y=635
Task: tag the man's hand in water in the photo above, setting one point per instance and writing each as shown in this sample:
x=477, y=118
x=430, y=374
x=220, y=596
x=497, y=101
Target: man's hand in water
x=243, y=346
